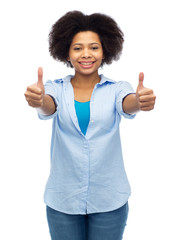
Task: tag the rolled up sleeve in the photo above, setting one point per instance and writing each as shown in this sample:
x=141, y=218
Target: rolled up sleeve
x=124, y=89
x=51, y=89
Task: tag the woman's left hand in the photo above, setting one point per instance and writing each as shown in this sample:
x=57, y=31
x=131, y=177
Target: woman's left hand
x=145, y=96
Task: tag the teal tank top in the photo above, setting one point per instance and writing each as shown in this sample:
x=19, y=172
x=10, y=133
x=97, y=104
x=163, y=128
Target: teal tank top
x=83, y=114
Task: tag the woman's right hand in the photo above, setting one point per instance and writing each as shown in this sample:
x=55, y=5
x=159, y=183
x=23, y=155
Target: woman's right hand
x=35, y=93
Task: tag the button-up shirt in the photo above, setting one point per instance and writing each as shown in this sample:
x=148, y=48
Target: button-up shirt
x=87, y=173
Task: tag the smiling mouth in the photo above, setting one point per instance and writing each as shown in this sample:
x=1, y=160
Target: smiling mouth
x=86, y=63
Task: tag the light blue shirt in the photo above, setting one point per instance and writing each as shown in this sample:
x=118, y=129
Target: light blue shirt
x=87, y=172
x=83, y=114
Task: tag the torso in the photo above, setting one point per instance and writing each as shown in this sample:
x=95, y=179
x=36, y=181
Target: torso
x=82, y=95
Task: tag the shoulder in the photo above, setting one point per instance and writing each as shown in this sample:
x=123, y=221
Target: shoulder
x=114, y=83
x=58, y=83
x=118, y=87
x=105, y=79
x=55, y=87
x=63, y=80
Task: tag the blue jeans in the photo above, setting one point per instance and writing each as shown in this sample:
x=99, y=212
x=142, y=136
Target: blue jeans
x=95, y=226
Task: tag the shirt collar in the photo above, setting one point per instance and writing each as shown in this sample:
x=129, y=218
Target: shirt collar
x=105, y=79
x=102, y=81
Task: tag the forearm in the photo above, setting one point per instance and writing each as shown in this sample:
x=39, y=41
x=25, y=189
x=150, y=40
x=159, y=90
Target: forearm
x=48, y=107
x=130, y=104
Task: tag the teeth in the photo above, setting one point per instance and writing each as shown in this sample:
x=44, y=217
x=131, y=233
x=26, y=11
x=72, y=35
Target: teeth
x=86, y=63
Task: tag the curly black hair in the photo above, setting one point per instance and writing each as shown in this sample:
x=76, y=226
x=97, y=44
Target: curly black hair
x=63, y=31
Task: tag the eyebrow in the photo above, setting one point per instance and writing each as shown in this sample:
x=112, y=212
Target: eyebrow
x=89, y=43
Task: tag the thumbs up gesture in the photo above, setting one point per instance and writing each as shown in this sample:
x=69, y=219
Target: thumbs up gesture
x=35, y=93
x=145, y=96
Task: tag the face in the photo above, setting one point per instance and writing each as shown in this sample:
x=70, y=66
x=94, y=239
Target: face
x=86, y=52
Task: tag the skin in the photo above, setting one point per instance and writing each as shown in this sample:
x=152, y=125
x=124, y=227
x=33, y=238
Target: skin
x=36, y=98
x=86, y=54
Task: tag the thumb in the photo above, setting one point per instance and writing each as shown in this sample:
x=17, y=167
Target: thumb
x=40, y=78
x=141, y=78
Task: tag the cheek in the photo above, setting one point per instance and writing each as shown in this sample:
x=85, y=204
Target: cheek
x=73, y=57
x=99, y=56
x=99, y=59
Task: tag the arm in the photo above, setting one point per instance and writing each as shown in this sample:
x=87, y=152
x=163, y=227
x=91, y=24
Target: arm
x=130, y=104
x=143, y=100
x=48, y=107
x=36, y=98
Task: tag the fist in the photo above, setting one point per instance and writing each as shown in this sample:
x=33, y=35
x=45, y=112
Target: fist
x=145, y=96
x=35, y=93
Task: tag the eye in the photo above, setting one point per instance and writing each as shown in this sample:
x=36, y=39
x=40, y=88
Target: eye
x=77, y=48
x=94, y=48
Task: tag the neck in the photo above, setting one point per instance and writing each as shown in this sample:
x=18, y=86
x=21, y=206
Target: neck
x=85, y=81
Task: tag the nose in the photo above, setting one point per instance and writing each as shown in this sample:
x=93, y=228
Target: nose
x=86, y=53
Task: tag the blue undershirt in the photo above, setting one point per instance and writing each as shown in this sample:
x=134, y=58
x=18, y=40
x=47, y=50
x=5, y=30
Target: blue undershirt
x=83, y=114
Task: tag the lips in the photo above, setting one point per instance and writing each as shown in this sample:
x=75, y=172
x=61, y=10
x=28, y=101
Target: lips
x=85, y=64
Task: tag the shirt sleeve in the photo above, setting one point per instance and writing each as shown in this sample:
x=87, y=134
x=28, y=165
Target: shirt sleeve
x=123, y=89
x=52, y=89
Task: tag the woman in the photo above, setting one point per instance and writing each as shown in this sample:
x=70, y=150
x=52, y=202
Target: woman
x=87, y=191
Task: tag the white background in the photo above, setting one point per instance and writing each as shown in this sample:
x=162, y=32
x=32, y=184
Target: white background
x=25, y=140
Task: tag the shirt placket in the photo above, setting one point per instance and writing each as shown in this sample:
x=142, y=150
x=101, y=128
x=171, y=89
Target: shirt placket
x=92, y=112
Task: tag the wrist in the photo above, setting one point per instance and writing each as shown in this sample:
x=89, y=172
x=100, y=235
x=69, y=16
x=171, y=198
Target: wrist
x=131, y=104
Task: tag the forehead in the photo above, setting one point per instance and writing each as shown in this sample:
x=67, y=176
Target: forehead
x=86, y=37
